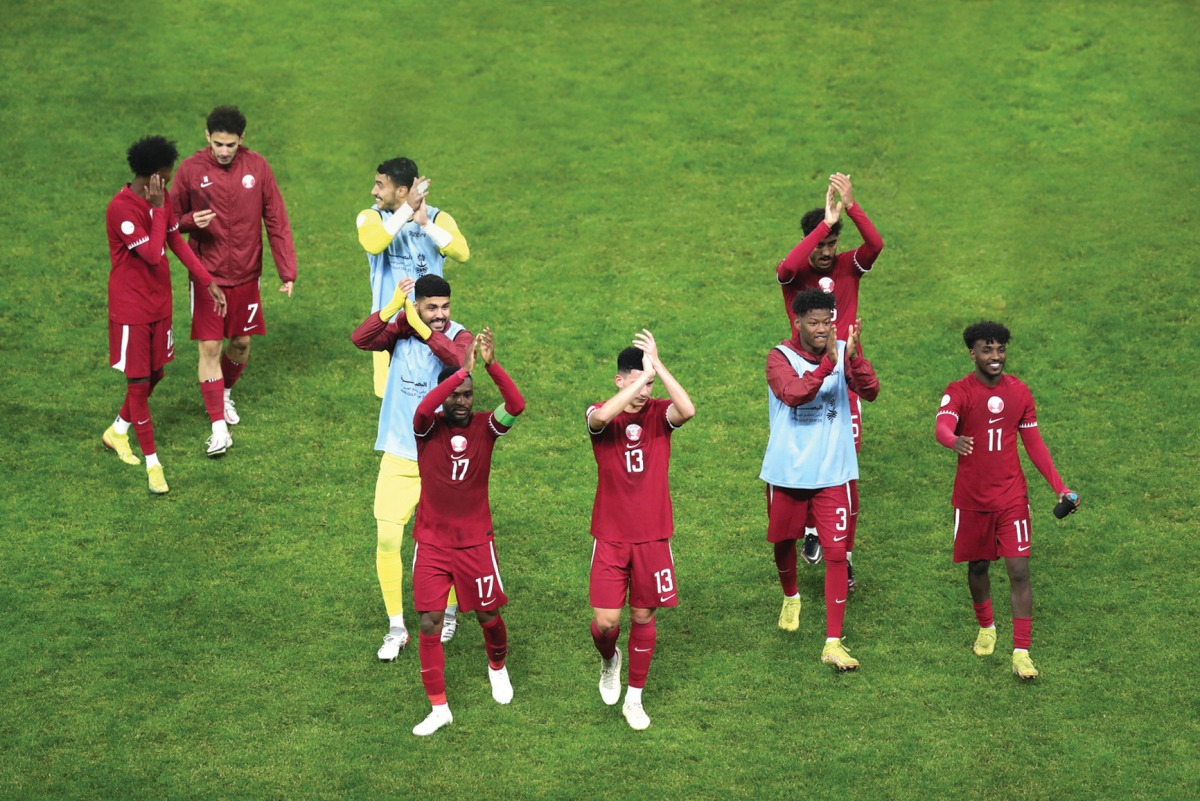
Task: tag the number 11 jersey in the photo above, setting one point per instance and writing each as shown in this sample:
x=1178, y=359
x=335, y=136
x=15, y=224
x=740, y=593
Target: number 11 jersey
x=990, y=479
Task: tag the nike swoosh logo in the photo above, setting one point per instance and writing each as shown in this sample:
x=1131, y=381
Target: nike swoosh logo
x=1023, y=548
x=205, y=185
x=839, y=539
x=426, y=670
x=250, y=327
x=666, y=598
x=142, y=422
x=839, y=600
x=997, y=420
x=487, y=603
x=642, y=650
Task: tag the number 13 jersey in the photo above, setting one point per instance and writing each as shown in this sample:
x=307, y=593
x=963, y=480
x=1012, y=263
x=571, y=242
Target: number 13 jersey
x=633, y=458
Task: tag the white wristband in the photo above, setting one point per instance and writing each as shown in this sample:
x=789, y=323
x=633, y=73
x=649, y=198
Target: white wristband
x=397, y=221
x=440, y=236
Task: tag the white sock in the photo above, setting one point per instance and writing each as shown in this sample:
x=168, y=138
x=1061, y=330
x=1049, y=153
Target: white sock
x=220, y=429
x=396, y=621
x=832, y=639
x=633, y=695
x=451, y=612
x=849, y=556
x=227, y=391
x=121, y=426
x=152, y=460
x=1020, y=650
x=792, y=597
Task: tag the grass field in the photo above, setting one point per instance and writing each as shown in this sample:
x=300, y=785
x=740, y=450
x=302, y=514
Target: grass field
x=614, y=166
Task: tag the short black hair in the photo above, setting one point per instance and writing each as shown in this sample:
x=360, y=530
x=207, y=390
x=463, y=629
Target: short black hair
x=986, y=331
x=431, y=286
x=810, y=221
x=150, y=154
x=629, y=360
x=226, y=119
x=448, y=371
x=400, y=171
x=811, y=299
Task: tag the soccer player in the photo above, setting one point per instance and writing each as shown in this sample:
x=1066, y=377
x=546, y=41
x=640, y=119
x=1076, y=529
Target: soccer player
x=810, y=459
x=404, y=237
x=631, y=517
x=141, y=224
x=224, y=194
x=455, y=543
x=814, y=263
x=979, y=419
x=421, y=342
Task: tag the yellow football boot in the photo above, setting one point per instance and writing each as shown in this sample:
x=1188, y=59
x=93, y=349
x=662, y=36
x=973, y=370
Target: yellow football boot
x=120, y=444
x=789, y=616
x=838, y=655
x=985, y=642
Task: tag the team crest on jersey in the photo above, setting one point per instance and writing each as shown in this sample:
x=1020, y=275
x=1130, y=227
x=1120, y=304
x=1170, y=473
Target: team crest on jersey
x=995, y=404
x=127, y=228
x=458, y=443
x=826, y=285
x=634, y=432
x=248, y=181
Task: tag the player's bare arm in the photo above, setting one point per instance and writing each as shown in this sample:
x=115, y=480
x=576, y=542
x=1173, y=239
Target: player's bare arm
x=681, y=409
x=841, y=182
x=599, y=419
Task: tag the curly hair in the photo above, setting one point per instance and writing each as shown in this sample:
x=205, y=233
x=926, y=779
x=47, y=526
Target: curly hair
x=810, y=221
x=811, y=299
x=226, y=119
x=985, y=331
x=150, y=154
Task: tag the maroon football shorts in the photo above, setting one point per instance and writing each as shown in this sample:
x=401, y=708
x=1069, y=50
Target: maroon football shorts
x=645, y=569
x=473, y=572
x=243, y=316
x=987, y=536
x=137, y=350
x=829, y=510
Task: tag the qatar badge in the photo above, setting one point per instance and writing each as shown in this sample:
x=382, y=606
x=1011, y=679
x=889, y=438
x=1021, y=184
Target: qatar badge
x=458, y=443
x=634, y=432
x=248, y=181
x=826, y=285
x=995, y=404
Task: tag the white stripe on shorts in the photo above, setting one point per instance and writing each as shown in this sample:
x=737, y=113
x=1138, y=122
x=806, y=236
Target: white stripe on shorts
x=496, y=565
x=120, y=365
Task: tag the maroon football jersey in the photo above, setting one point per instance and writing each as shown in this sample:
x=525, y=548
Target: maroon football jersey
x=633, y=493
x=990, y=479
x=138, y=292
x=455, y=465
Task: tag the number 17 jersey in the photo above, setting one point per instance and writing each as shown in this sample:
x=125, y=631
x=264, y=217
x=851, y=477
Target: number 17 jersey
x=990, y=479
x=633, y=458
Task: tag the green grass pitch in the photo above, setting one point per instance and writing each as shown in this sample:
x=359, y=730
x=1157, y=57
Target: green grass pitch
x=614, y=166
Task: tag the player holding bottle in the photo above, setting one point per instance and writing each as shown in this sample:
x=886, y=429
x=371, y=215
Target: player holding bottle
x=225, y=194
x=979, y=419
x=631, y=519
x=815, y=264
x=404, y=237
x=455, y=543
x=810, y=459
x=140, y=225
x=421, y=342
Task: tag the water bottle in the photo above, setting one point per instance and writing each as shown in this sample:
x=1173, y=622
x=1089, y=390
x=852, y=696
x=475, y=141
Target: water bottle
x=1066, y=505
